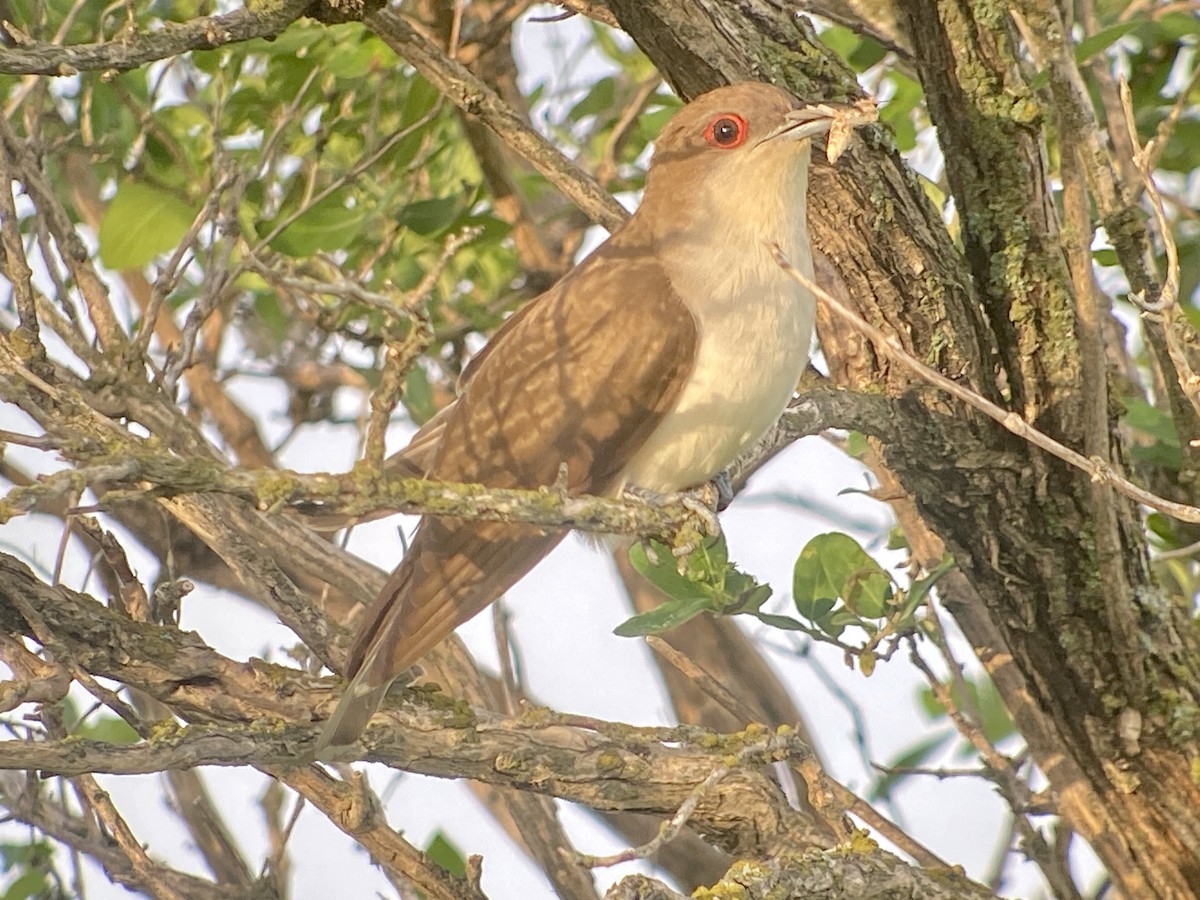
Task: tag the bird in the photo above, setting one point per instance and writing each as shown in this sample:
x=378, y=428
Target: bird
x=652, y=364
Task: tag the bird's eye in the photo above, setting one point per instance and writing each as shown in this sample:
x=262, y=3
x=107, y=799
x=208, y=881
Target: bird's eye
x=726, y=131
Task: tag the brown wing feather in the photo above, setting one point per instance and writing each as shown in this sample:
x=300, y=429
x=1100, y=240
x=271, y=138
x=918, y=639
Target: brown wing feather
x=582, y=376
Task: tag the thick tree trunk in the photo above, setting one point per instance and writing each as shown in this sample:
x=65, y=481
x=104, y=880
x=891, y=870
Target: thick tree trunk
x=1097, y=665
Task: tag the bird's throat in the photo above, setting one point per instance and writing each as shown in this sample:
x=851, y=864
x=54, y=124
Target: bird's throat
x=755, y=326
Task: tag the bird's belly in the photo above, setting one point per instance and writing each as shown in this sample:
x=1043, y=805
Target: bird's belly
x=746, y=370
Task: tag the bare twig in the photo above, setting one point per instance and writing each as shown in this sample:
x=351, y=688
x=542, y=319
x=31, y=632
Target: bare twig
x=478, y=100
x=1011, y=421
x=12, y=256
x=19, y=162
x=401, y=353
x=595, y=11
x=147, y=871
x=1002, y=773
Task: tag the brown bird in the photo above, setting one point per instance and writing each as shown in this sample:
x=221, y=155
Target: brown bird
x=653, y=363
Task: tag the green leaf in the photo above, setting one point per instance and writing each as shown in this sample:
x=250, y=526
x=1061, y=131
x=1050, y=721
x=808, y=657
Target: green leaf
x=651, y=123
x=1102, y=40
x=833, y=566
x=353, y=59
x=598, y=100
x=710, y=562
x=781, y=622
x=856, y=444
x=443, y=852
x=430, y=217
x=814, y=608
x=35, y=854
x=920, y=588
x=420, y=99
x=31, y=884
x=663, y=618
x=898, y=111
x=141, y=222
x=995, y=720
x=997, y=723
x=1156, y=423
x=106, y=727
x=100, y=726
x=327, y=225
x=662, y=572
x=866, y=663
x=751, y=599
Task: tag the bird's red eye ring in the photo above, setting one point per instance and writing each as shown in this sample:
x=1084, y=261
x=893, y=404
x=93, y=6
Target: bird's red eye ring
x=726, y=131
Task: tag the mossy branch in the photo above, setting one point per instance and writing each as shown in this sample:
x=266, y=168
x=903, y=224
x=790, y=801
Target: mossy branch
x=347, y=497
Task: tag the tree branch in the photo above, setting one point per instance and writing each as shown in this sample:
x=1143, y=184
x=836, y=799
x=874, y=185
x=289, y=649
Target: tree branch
x=130, y=51
x=478, y=100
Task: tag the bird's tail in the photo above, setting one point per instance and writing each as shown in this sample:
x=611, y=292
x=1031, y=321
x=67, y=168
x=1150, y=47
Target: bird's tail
x=363, y=697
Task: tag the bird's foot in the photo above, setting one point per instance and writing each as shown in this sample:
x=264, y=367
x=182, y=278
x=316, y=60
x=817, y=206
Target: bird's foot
x=724, y=486
x=703, y=501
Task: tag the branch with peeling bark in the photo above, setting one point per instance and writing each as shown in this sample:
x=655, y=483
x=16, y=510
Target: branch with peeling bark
x=602, y=765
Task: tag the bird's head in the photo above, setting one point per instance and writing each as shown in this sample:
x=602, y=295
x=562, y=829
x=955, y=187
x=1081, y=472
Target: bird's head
x=740, y=150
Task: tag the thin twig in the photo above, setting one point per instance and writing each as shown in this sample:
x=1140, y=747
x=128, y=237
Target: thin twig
x=477, y=99
x=1011, y=421
x=702, y=679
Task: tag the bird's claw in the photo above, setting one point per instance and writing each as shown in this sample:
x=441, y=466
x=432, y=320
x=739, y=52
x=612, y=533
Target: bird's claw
x=724, y=487
x=702, y=502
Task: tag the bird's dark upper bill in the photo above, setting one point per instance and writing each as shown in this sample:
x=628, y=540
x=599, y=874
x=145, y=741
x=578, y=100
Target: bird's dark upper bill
x=807, y=121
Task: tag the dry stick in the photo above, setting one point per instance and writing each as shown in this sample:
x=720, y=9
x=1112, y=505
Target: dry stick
x=20, y=162
x=1164, y=307
x=699, y=677
x=845, y=798
x=1013, y=788
x=1153, y=150
x=341, y=181
x=63, y=657
x=106, y=813
x=477, y=99
x=15, y=265
x=596, y=11
x=359, y=814
x=400, y=355
x=1011, y=421
x=623, y=128
x=66, y=328
x=1169, y=296
x=168, y=277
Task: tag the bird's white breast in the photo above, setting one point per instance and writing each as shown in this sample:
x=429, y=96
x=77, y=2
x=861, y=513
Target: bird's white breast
x=754, y=326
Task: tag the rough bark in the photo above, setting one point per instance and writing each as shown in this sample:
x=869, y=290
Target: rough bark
x=1061, y=585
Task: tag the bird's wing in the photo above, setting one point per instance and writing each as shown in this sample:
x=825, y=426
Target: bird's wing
x=582, y=376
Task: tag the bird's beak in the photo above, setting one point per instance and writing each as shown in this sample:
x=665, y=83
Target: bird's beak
x=819, y=118
x=806, y=122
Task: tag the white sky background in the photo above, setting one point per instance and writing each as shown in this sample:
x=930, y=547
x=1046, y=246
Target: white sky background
x=563, y=615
